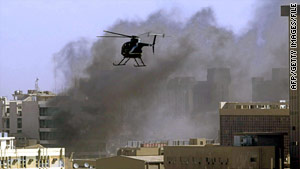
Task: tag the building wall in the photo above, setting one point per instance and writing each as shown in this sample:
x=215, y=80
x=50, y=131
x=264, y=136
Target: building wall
x=13, y=117
x=294, y=95
x=238, y=117
x=220, y=157
x=142, y=151
x=30, y=119
x=119, y=162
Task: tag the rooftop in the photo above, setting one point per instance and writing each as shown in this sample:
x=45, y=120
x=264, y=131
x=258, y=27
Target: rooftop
x=148, y=159
x=254, y=105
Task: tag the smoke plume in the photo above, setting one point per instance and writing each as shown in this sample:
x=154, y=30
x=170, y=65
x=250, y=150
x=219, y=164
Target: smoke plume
x=106, y=104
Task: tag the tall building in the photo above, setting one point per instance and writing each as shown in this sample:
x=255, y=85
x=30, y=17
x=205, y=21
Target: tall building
x=271, y=90
x=28, y=116
x=236, y=118
x=293, y=13
x=180, y=94
x=187, y=95
x=208, y=94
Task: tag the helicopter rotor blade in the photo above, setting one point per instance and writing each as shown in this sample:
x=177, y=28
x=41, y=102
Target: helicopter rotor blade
x=144, y=33
x=118, y=34
x=111, y=37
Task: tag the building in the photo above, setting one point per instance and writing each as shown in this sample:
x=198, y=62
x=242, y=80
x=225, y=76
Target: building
x=187, y=95
x=237, y=118
x=220, y=157
x=264, y=139
x=293, y=12
x=29, y=157
x=271, y=90
x=180, y=94
x=201, y=141
x=28, y=116
x=208, y=94
x=140, y=151
x=131, y=162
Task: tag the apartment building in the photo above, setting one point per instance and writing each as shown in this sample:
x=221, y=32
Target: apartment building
x=29, y=117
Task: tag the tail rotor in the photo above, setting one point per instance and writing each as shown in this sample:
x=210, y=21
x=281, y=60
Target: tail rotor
x=154, y=39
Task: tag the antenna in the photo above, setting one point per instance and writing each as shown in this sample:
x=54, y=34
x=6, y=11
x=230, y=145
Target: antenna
x=37, y=84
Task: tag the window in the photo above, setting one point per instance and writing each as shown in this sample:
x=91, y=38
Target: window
x=37, y=161
x=245, y=107
x=47, y=111
x=19, y=113
x=47, y=135
x=7, y=123
x=7, y=110
x=238, y=107
x=19, y=123
x=253, y=159
x=46, y=124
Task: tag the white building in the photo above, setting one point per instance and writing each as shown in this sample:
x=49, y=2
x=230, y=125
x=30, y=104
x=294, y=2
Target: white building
x=29, y=157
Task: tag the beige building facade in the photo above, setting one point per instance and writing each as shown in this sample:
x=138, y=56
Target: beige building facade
x=28, y=116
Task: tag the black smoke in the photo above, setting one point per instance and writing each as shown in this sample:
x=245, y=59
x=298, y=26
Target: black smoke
x=106, y=104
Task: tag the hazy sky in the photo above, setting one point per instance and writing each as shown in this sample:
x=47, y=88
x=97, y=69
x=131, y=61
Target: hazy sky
x=32, y=31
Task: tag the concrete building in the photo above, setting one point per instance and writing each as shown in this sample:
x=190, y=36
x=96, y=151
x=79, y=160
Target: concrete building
x=293, y=13
x=236, y=118
x=140, y=151
x=220, y=157
x=29, y=157
x=271, y=90
x=208, y=94
x=264, y=139
x=162, y=143
x=28, y=116
x=180, y=94
x=131, y=162
x=187, y=95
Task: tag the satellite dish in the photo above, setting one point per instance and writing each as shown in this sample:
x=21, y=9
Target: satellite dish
x=75, y=165
x=86, y=165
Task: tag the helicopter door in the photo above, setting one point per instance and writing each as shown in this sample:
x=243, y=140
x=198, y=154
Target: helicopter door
x=126, y=49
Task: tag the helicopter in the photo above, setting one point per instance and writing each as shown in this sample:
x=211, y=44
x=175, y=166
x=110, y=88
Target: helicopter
x=133, y=48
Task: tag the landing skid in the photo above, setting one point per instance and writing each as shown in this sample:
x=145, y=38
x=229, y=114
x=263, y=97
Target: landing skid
x=137, y=63
x=120, y=63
